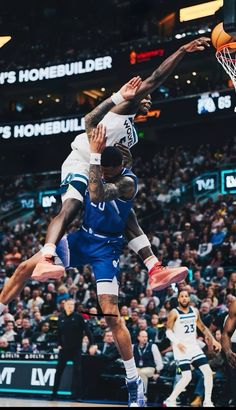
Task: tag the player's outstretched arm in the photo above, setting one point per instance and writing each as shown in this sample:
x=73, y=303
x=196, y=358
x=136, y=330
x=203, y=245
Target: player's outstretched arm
x=168, y=66
x=229, y=328
x=207, y=333
x=124, y=187
x=126, y=93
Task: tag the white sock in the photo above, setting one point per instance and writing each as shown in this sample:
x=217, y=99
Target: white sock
x=180, y=386
x=150, y=262
x=2, y=307
x=208, y=381
x=130, y=368
x=49, y=249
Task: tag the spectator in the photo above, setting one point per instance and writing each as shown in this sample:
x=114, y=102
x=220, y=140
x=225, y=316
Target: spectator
x=220, y=280
x=147, y=358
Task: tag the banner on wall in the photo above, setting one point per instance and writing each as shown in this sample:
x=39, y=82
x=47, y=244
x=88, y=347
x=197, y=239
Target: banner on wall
x=56, y=71
x=34, y=129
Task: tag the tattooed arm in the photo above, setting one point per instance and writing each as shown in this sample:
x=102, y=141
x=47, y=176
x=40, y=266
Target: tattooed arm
x=95, y=116
x=123, y=187
x=99, y=192
x=163, y=71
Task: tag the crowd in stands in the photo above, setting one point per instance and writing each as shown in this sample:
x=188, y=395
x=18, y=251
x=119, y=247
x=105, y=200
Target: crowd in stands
x=201, y=236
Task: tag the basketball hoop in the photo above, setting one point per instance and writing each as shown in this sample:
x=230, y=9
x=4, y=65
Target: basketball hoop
x=226, y=55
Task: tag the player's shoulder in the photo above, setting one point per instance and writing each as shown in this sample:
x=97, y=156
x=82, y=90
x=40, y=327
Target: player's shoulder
x=195, y=310
x=173, y=313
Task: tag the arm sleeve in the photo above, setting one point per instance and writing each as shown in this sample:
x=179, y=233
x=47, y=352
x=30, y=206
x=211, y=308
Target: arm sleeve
x=157, y=358
x=171, y=336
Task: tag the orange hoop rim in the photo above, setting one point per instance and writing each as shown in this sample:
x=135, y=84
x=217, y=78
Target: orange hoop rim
x=228, y=45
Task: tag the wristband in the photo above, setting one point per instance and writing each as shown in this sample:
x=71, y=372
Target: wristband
x=95, y=158
x=117, y=98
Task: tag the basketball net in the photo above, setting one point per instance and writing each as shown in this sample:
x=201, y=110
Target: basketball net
x=226, y=55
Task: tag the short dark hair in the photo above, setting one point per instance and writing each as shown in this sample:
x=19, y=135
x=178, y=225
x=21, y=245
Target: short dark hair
x=111, y=157
x=183, y=290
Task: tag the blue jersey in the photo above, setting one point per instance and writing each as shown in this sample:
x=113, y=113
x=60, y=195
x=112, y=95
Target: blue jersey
x=108, y=218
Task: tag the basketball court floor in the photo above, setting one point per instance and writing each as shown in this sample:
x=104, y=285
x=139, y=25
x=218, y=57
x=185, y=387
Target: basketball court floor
x=19, y=402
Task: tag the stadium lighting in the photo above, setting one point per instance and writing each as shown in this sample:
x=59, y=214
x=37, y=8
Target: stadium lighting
x=4, y=40
x=176, y=77
x=194, y=73
x=200, y=10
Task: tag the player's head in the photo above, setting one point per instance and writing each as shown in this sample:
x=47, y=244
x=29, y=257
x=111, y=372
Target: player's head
x=145, y=105
x=183, y=298
x=111, y=163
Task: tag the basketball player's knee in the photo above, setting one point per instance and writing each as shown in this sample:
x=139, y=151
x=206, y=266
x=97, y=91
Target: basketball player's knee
x=22, y=271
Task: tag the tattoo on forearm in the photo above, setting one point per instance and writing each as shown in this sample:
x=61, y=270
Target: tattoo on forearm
x=124, y=188
x=99, y=192
x=96, y=115
x=96, y=189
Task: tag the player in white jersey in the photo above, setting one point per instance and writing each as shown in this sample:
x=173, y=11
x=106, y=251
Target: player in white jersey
x=182, y=327
x=119, y=123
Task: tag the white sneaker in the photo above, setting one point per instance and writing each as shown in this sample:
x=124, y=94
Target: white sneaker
x=169, y=403
x=208, y=404
x=136, y=393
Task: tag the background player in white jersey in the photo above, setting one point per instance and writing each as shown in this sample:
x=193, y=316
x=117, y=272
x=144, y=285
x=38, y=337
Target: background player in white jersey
x=119, y=123
x=182, y=332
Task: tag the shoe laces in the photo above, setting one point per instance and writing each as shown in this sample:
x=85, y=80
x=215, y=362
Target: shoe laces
x=133, y=391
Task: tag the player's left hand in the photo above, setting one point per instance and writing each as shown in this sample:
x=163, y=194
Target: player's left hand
x=197, y=45
x=129, y=90
x=98, y=139
x=127, y=157
x=217, y=346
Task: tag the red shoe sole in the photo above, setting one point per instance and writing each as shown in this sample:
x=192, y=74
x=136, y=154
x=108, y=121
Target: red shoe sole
x=174, y=279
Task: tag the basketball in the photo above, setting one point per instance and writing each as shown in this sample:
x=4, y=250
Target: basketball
x=219, y=37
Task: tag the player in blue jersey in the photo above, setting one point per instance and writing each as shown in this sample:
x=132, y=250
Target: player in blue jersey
x=182, y=332
x=117, y=113
x=108, y=201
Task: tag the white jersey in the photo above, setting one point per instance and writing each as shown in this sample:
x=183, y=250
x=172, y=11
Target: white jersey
x=75, y=169
x=119, y=128
x=185, y=326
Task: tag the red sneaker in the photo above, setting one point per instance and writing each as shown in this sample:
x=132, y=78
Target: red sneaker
x=161, y=277
x=45, y=269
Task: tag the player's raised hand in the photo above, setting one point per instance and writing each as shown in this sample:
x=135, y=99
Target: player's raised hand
x=98, y=139
x=127, y=157
x=129, y=90
x=197, y=45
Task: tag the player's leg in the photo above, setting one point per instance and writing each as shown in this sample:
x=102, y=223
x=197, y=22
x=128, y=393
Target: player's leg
x=160, y=277
x=13, y=287
x=208, y=384
x=122, y=339
x=106, y=271
x=179, y=388
x=73, y=187
x=45, y=268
